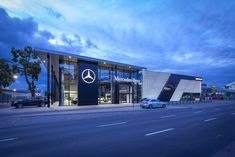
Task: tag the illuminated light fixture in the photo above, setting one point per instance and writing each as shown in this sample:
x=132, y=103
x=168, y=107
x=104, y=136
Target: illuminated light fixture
x=14, y=90
x=15, y=76
x=104, y=62
x=198, y=79
x=44, y=61
x=167, y=88
x=129, y=66
x=70, y=57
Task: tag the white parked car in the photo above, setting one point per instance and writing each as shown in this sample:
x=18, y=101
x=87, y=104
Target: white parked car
x=152, y=103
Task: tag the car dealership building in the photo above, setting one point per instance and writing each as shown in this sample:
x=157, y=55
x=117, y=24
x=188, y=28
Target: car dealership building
x=79, y=80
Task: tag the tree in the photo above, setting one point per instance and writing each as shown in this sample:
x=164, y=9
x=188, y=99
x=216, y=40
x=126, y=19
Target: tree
x=27, y=63
x=6, y=74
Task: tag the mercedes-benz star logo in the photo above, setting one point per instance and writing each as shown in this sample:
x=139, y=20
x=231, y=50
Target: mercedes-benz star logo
x=88, y=76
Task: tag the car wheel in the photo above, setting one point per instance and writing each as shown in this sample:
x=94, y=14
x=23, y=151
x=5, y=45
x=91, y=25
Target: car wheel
x=41, y=104
x=150, y=106
x=164, y=106
x=19, y=105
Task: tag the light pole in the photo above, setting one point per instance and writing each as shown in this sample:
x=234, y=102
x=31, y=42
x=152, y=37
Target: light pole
x=14, y=90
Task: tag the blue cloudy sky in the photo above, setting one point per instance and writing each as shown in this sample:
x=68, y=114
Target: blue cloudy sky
x=195, y=37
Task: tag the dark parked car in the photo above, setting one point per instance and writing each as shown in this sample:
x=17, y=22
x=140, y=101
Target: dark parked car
x=29, y=102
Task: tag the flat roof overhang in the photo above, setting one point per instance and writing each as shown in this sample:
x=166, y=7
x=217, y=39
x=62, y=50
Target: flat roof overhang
x=89, y=59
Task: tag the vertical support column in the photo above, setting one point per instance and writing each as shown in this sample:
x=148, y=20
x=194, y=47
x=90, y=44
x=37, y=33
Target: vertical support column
x=77, y=83
x=133, y=88
x=69, y=82
x=60, y=87
x=52, y=85
x=48, y=80
x=130, y=89
x=137, y=87
x=116, y=89
x=113, y=84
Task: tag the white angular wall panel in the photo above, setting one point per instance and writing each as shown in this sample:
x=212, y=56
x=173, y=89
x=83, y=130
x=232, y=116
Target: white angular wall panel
x=186, y=86
x=153, y=83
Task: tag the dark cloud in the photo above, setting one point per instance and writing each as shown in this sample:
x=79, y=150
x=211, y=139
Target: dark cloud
x=90, y=44
x=16, y=32
x=46, y=34
x=72, y=42
x=54, y=13
x=76, y=43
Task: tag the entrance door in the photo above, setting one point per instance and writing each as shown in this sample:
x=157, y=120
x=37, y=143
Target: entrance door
x=125, y=93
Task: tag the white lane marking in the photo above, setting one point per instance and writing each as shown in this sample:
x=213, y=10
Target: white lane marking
x=168, y=116
x=158, y=132
x=198, y=111
x=232, y=114
x=112, y=124
x=207, y=120
x=7, y=139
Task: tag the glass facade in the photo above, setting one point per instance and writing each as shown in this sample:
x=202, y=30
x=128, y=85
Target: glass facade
x=105, y=77
x=69, y=81
x=190, y=96
x=115, y=84
x=119, y=85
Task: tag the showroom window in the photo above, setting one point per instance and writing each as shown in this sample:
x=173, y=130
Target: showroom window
x=105, y=85
x=69, y=81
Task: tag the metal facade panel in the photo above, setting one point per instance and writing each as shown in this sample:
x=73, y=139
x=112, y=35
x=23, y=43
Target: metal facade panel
x=153, y=83
x=87, y=83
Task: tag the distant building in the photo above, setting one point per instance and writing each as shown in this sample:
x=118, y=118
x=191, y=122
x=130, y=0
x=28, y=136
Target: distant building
x=206, y=92
x=230, y=90
x=230, y=86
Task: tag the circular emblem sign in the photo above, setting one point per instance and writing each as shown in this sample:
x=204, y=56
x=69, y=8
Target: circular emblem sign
x=88, y=76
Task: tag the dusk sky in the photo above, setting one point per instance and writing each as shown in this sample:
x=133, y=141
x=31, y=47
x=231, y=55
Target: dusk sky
x=194, y=37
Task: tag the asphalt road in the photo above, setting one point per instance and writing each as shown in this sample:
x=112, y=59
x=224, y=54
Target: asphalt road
x=185, y=132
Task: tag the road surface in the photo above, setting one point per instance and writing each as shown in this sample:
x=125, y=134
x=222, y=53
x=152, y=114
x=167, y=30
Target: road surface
x=181, y=132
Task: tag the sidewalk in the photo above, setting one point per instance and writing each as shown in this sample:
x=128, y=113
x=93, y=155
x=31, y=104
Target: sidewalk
x=104, y=108
x=68, y=109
